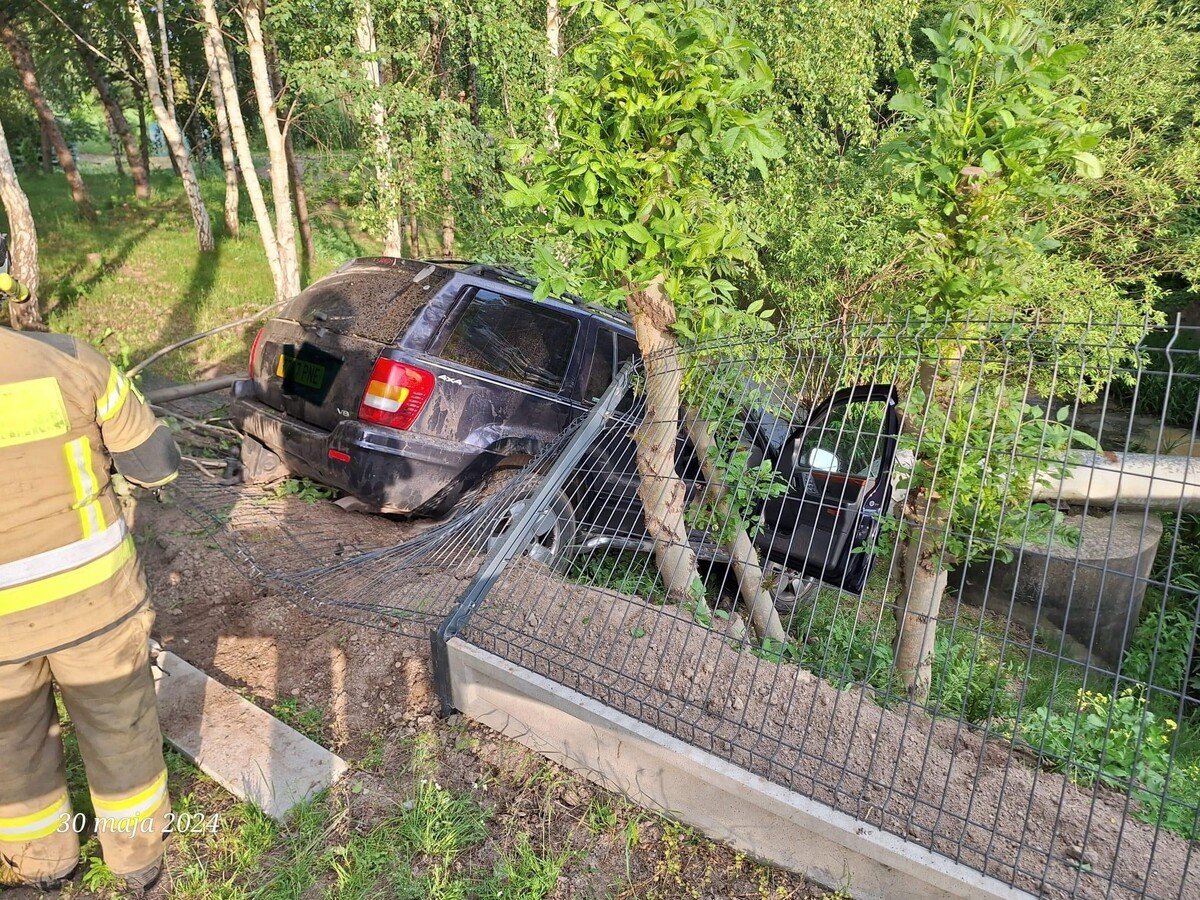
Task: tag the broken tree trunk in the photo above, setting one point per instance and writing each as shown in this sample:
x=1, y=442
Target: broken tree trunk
x=764, y=619
x=18, y=49
x=22, y=243
x=170, y=130
x=661, y=489
x=281, y=192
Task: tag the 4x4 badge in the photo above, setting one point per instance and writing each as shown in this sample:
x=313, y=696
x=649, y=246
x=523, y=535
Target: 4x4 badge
x=457, y=381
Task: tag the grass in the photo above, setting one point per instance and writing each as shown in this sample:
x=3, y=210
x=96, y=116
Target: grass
x=134, y=280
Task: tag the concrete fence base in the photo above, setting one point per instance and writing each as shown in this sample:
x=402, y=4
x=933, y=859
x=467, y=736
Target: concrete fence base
x=659, y=772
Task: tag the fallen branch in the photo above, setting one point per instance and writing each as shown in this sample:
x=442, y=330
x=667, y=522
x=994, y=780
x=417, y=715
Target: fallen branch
x=195, y=424
x=170, y=348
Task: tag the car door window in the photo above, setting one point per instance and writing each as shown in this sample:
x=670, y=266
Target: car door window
x=609, y=347
x=847, y=443
x=514, y=339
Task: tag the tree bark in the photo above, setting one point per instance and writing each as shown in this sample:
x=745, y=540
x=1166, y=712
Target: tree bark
x=281, y=194
x=22, y=243
x=22, y=59
x=414, y=232
x=143, y=131
x=300, y=196
x=168, y=79
x=554, y=46
x=241, y=144
x=47, y=158
x=925, y=576
x=385, y=176
x=116, y=116
x=114, y=144
x=923, y=561
x=764, y=619
x=228, y=159
x=170, y=130
x=661, y=489
x=295, y=174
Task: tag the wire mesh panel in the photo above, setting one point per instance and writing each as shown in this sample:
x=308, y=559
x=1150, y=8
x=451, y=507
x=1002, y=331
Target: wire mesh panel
x=942, y=578
x=398, y=575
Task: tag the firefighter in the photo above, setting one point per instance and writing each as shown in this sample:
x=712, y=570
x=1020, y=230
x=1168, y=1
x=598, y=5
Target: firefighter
x=74, y=610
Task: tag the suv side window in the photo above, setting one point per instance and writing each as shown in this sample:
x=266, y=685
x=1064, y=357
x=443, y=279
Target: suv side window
x=610, y=347
x=514, y=339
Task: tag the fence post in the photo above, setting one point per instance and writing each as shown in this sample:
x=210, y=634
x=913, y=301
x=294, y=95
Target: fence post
x=519, y=533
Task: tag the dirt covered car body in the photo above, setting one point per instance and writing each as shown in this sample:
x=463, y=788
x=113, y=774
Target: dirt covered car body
x=405, y=383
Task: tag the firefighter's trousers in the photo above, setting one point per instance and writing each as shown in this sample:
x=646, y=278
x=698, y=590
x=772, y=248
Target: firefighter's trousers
x=108, y=691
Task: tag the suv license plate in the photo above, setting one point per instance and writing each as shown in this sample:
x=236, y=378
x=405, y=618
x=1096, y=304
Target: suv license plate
x=300, y=371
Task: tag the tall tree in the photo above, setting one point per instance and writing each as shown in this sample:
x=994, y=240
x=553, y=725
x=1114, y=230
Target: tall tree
x=170, y=129
x=18, y=49
x=241, y=144
x=22, y=242
x=281, y=192
x=228, y=157
x=641, y=224
x=368, y=49
x=112, y=108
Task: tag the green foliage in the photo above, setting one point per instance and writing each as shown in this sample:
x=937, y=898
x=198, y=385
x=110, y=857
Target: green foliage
x=989, y=136
x=653, y=97
x=302, y=488
x=979, y=455
x=1119, y=742
x=525, y=873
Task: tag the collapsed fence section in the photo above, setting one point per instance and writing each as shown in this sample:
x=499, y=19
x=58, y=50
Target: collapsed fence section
x=943, y=579
x=872, y=574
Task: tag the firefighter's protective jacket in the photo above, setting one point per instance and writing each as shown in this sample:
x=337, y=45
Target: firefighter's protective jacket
x=68, y=570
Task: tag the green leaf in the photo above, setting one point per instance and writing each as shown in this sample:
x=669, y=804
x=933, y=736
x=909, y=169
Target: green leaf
x=638, y=232
x=1087, y=165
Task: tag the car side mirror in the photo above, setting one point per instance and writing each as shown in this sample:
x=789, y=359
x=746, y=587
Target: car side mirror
x=822, y=460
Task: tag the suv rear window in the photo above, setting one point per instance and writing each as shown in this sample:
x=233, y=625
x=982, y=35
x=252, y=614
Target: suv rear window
x=376, y=302
x=515, y=339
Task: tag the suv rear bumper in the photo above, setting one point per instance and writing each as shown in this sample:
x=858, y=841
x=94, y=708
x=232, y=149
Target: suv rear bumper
x=386, y=469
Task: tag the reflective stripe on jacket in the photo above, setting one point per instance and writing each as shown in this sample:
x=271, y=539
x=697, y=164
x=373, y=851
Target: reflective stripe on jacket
x=68, y=569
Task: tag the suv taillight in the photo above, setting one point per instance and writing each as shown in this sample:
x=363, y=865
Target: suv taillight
x=254, y=351
x=396, y=394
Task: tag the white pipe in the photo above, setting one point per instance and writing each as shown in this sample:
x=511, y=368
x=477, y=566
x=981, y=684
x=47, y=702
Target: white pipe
x=1142, y=480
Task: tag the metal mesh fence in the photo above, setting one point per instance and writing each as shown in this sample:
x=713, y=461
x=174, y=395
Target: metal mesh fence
x=943, y=578
x=831, y=486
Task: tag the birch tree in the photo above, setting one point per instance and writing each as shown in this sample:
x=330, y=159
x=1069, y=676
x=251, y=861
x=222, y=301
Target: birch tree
x=170, y=129
x=638, y=222
x=386, y=187
x=228, y=157
x=281, y=193
x=241, y=145
x=112, y=108
x=23, y=244
x=18, y=49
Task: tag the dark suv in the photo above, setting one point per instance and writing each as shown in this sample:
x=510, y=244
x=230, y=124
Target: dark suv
x=406, y=383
